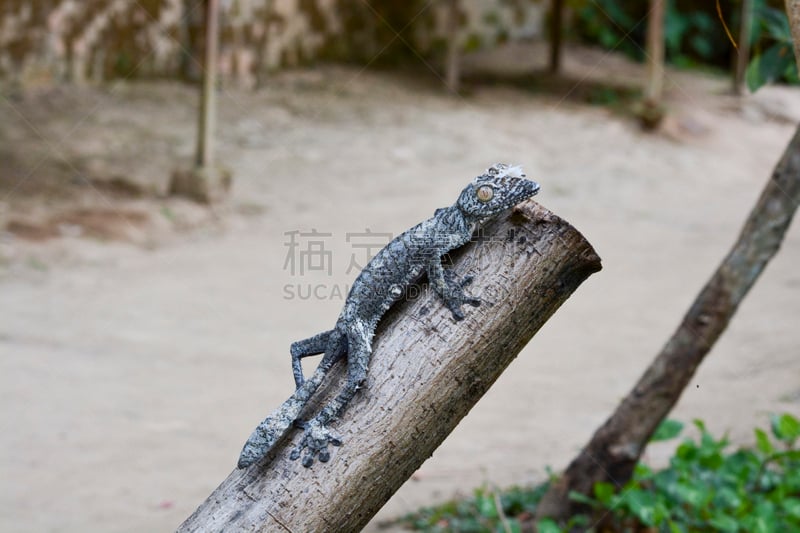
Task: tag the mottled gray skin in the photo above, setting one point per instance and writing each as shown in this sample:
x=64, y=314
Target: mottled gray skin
x=382, y=282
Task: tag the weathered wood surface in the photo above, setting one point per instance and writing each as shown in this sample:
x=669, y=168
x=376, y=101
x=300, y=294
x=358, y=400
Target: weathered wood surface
x=426, y=374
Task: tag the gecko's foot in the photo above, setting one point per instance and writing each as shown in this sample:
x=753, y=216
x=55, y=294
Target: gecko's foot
x=455, y=297
x=315, y=442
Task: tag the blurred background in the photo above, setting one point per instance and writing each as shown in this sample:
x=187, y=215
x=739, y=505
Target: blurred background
x=188, y=186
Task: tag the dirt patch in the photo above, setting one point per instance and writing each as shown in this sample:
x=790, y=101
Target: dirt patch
x=96, y=223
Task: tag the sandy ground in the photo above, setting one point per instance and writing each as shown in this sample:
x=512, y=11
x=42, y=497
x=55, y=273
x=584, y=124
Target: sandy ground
x=132, y=370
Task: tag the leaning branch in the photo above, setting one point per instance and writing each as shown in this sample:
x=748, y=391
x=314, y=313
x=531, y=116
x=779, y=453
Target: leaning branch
x=426, y=374
x=615, y=448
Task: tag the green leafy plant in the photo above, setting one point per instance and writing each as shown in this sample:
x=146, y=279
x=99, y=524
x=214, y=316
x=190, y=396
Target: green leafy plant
x=706, y=487
x=694, y=36
x=487, y=510
x=773, y=59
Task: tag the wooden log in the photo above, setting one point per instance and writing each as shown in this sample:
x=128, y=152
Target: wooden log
x=426, y=373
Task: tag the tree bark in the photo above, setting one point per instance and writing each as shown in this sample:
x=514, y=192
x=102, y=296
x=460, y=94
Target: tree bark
x=615, y=448
x=426, y=373
x=793, y=12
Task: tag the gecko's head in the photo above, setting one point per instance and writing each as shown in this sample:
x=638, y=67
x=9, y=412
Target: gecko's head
x=499, y=188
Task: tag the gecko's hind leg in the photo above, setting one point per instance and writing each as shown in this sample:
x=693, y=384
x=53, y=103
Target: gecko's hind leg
x=312, y=346
x=317, y=434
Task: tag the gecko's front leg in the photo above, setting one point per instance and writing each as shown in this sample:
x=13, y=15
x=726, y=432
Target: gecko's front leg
x=449, y=289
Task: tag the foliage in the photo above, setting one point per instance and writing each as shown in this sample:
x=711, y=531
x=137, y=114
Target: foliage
x=704, y=488
x=487, y=511
x=772, y=39
x=612, y=24
x=693, y=34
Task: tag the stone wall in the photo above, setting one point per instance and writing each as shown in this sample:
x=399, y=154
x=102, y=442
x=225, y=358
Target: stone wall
x=47, y=41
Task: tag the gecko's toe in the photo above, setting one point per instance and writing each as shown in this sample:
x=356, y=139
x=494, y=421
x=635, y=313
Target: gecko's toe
x=474, y=302
x=466, y=281
x=315, y=443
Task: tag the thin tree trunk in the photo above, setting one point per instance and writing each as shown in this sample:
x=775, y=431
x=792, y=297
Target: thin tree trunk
x=743, y=51
x=556, y=32
x=208, y=98
x=793, y=11
x=426, y=373
x=655, y=53
x=615, y=448
x=452, y=69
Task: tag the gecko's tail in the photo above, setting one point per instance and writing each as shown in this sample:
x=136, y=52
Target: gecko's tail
x=278, y=424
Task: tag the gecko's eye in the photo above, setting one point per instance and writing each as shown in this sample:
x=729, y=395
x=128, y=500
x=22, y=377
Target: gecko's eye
x=484, y=193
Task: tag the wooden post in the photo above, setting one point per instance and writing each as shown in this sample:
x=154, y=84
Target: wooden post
x=426, y=373
x=206, y=182
x=655, y=53
x=556, y=32
x=743, y=51
x=452, y=70
x=208, y=98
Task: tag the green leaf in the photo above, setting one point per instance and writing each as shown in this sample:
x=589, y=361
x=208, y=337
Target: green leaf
x=512, y=524
x=765, y=520
x=641, y=504
x=768, y=66
x=667, y=429
x=724, y=523
x=642, y=472
x=547, y=525
x=604, y=492
x=727, y=498
x=576, y=496
x=786, y=427
x=791, y=507
x=776, y=23
x=702, y=46
x=486, y=506
x=690, y=494
x=676, y=528
x=763, y=443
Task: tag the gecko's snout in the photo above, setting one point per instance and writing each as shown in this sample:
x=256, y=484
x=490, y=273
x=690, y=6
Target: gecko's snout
x=532, y=187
